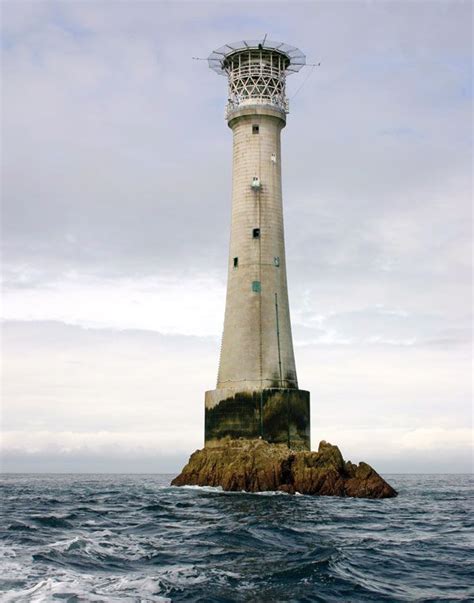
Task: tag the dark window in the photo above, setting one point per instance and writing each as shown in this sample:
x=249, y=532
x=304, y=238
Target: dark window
x=276, y=261
x=256, y=233
x=255, y=129
x=236, y=262
x=256, y=287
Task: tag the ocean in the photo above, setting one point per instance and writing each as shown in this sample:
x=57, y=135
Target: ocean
x=133, y=538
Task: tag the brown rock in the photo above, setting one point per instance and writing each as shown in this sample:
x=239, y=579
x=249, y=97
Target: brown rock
x=257, y=466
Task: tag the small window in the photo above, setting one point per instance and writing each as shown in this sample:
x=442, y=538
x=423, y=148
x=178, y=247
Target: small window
x=255, y=129
x=256, y=233
x=276, y=261
x=236, y=262
x=256, y=287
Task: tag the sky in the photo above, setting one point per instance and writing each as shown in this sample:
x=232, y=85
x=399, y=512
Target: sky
x=116, y=188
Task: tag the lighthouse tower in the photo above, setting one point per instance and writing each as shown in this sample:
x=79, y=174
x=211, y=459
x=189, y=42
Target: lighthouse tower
x=257, y=393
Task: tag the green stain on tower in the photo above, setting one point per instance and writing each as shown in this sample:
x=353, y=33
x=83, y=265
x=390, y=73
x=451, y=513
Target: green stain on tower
x=279, y=416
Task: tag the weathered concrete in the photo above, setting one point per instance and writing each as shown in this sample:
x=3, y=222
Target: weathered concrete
x=257, y=391
x=257, y=466
x=276, y=415
x=257, y=352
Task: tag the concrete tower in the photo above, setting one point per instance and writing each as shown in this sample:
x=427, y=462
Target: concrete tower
x=257, y=391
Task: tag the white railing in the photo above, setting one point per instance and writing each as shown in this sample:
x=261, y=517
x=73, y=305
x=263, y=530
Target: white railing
x=233, y=105
x=256, y=69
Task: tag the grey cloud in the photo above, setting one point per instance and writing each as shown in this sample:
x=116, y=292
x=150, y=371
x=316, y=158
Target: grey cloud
x=117, y=154
x=379, y=326
x=117, y=164
x=107, y=400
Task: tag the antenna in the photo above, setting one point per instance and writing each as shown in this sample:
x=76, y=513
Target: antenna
x=310, y=72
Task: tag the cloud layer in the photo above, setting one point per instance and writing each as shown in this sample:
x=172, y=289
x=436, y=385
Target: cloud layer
x=116, y=208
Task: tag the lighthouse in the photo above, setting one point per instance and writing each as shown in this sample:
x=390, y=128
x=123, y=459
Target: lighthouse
x=257, y=394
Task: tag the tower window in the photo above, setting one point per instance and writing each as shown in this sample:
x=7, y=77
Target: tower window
x=276, y=261
x=236, y=262
x=256, y=287
x=255, y=129
x=256, y=233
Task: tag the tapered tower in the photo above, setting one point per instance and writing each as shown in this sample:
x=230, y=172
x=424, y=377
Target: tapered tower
x=257, y=391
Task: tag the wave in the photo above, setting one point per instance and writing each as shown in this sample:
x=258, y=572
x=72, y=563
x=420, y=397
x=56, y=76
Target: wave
x=126, y=538
x=21, y=527
x=53, y=521
x=83, y=590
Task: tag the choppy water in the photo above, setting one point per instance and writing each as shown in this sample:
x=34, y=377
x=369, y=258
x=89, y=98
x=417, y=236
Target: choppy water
x=133, y=538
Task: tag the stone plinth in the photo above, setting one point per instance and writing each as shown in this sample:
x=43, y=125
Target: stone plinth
x=277, y=415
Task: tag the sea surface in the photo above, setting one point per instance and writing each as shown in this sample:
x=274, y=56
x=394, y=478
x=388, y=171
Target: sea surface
x=134, y=538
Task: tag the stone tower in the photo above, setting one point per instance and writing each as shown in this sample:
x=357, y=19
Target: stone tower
x=257, y=391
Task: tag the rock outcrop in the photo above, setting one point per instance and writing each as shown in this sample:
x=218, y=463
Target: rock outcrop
x=257, y=466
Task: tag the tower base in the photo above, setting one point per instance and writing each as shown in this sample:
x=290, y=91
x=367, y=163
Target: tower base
x=277, y=415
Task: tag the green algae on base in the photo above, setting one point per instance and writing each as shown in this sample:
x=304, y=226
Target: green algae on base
x=277, y=415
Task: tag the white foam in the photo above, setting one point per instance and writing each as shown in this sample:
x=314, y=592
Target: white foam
x=45, y=590
x=231, y=492
x=87, y=588
x=204, y=488
x=270, y=493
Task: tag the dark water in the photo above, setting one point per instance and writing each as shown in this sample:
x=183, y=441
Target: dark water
x=133, y=538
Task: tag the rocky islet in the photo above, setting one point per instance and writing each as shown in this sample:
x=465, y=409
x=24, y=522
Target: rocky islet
x=258, y=466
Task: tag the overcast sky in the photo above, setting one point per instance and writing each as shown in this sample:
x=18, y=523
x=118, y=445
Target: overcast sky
x=116, y=215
